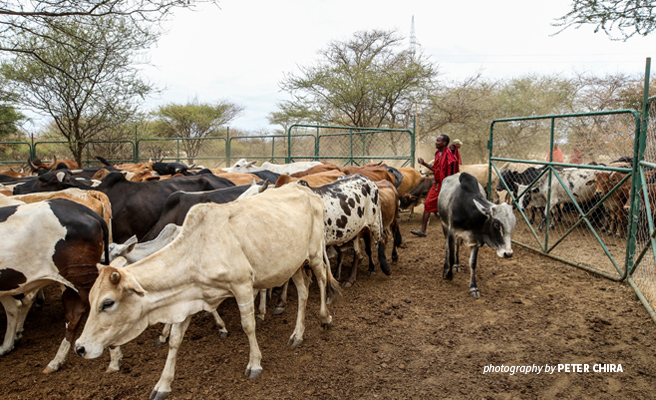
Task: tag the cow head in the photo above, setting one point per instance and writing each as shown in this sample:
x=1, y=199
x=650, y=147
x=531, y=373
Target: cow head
x=498, y=227
x=116, y=313
x=407, y=201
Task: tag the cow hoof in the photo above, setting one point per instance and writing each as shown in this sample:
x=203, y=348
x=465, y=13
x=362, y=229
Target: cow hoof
x=253, y=373
x=457, y=268
x=475, y=293
x=223, y=334
x=259, y=318
x=395, y=258
x=347, y=284
x=385, y=268
x=160, y=342
x=278, y=310
x=448, y=275
x=294, y=341
x=49, y=369
x=327, y=325
x=155, y=395
x=5, y=351
x=371, y=272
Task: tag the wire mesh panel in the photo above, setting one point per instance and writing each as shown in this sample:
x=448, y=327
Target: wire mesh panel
x=359, y=146
x=569, y=177
x=210, y=151
x=643, y=276
x=14, y=155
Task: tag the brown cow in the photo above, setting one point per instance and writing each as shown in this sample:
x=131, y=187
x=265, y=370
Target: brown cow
x=374, y=173
x=614, y=204
x=314, y=180
x=239, y=178
x=316, y=170
x=417, y=195
x=411, y=178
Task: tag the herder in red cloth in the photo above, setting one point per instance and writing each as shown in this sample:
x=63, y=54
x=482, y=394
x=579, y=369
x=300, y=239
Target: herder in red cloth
x=445, y=164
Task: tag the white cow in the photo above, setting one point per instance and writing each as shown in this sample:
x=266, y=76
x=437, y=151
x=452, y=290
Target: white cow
x=579, y=182
x=224, y=250
x=291, y=168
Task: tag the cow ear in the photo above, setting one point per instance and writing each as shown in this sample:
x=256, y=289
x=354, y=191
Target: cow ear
x=133, y=285
x=482, y=208
x=119, y=262
x=130, y=243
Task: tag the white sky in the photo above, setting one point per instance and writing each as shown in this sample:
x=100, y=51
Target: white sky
x=241, y=51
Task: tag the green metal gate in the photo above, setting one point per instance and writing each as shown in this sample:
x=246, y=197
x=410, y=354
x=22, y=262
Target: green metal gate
x=340, y=145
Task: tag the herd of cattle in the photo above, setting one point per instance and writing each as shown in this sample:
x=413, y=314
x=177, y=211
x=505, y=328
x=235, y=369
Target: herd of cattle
x=139, y=244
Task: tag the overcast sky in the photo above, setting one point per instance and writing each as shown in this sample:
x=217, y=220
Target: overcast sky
x=240, y=51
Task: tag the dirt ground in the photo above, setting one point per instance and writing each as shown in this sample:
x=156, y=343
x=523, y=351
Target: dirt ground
x=411, y=335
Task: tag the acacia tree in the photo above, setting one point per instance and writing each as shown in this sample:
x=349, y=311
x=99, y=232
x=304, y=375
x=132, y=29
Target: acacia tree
x=366, y=81
x=194, y=120
x=626, y=17
x=86, y=87
x=19, y=18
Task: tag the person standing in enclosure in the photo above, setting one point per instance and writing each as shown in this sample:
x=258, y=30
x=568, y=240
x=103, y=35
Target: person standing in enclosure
x=455, y=149
x=557, y=154
x=445, y=164
x=576, y=157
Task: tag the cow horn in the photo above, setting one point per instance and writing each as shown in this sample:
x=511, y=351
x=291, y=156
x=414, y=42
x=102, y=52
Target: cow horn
x=264, y=186
x=34, y=168
x=115, y=278
x=54, y=164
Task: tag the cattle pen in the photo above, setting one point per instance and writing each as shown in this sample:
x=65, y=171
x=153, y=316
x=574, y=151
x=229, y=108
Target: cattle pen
x=620, y=145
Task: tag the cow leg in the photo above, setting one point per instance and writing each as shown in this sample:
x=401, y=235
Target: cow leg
x=244, y=297
x=73, y=310
x=261, y=310
x=356, y=261
x=223, y=332
x=473, y=289
x=163, y=387
x=382, y=258
x=449, y=260
x=282, y=300
x=40, y=299
x=164, y=336
x=115, y=357
x=320, y=265
x=12, y=308
x=456, y=253
x=302, y=286
x=24, y=308
x=367, y=249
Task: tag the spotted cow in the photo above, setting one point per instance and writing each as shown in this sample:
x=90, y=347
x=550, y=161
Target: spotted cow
x=66, y=241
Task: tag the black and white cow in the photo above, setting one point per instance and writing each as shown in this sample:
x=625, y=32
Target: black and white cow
x=66, y=242
x=351, y=207
x=466, y=214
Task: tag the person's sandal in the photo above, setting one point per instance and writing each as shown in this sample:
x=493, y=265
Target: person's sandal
x=418, y=233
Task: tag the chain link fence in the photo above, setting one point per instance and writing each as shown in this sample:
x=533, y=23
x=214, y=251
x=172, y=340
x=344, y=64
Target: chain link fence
x=565, y=154
x=642, y=276
x=339, y=145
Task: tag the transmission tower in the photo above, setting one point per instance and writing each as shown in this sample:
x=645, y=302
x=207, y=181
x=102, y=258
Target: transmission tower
x=413, y=38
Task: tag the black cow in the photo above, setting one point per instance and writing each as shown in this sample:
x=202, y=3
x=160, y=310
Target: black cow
x=466, y=214
x=136, y=206
x=514, y=178
x=417, y=195
x=170, y=168
x=177, y=205
x=52, y=181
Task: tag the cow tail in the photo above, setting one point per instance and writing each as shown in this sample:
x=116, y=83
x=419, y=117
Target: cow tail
x=105, y=230
x=333, y=290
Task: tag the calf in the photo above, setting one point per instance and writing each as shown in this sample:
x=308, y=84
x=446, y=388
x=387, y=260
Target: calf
x=466, y=214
